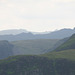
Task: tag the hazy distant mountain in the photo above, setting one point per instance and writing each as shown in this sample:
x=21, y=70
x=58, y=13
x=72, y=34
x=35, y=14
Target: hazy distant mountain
x=62, y=33
x=46, y=32
x=18, y=31
x=13, y=31
x=59, y=34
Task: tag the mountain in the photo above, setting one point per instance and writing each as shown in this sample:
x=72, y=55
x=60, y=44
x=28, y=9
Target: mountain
x=21, y=36
x=63, y=33
x=69, y=44
x=59, y=34
x=6, y=49
x=13, y=31
x=60, y=62
x=29, y=47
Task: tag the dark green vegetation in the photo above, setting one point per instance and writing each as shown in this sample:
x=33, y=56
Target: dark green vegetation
x=5, y=49
x=30, y=47
x=58, y=62
x=36, y=65
x=69, y=44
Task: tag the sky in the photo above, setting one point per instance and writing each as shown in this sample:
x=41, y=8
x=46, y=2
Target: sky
x=37, y=15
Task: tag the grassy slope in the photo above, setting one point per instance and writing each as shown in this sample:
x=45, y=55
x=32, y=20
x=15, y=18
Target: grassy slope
x=66, y=50
x=66, y=54
x=47, y=64
x=69, y=44
x=38, y=46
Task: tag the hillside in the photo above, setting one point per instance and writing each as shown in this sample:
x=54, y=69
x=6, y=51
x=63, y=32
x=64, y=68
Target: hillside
x=69, y=44
x=6, y=49
x=29, y=47
x=39, y=65
x=65, y=54
x=58, y=43
x=60, y=62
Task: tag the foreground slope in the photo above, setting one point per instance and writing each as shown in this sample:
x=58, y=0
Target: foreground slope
x=35, y=65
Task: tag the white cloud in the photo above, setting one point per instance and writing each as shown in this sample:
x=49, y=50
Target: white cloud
x=31, y=14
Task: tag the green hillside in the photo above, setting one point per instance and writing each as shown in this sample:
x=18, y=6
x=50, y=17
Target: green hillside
x=69, y=44
x=65, y=50
x=29, y=47
x=48, y=64
x=65, y=54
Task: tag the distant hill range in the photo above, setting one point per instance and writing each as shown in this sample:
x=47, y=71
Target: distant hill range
x=25, y=35
x=13, y=31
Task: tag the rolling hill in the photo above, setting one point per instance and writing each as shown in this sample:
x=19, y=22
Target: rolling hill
x=33, y=47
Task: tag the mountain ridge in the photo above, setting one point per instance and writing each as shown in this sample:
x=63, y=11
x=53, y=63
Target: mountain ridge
x=59, y=34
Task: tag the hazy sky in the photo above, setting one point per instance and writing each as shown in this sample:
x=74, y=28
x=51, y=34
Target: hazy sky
x=37, y=15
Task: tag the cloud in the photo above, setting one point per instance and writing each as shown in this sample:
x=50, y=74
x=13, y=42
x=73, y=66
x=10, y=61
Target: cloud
x=31, y=14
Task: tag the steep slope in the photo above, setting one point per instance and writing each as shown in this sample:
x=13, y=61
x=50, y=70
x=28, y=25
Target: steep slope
x=38, y=46
x=58, y=43
x=69, y=44
x=5, y=49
